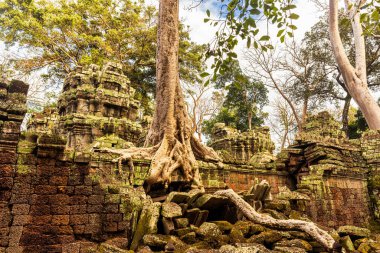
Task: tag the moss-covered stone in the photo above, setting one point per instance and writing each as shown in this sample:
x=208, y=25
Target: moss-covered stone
x=224, y=226
x=181, y=222
x=171, y=210
x=256, y=229
x=347, y=243
x=147, y=223
x=354, y=231
x=209, y=230
x=268, y=237
x=155, y=240
x=189, y=238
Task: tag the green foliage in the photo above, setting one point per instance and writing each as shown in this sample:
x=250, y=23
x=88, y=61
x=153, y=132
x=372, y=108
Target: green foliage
x=243, y=103
x=370, y=17
x=359, y=125
x=60, y=35
x=225, y=115
x=238, y=19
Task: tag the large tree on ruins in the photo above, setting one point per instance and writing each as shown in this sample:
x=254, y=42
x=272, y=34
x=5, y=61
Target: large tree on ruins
x=170, y=137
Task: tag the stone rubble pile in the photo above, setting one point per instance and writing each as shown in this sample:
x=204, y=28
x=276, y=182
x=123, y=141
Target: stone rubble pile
x=200, y=222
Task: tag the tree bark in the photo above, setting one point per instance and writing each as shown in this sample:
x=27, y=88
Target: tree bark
x=346, y=110
x=355, y=79
x=304, y=110
x=249, y=120
x=250, y=213
x=284, y=137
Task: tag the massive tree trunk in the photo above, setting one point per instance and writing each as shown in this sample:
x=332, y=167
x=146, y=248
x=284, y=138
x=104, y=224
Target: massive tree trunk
x=170, y=143
x=354, y=78
x=171, y=129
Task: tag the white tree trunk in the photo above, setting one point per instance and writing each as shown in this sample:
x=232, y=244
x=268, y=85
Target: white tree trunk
x=354, y=78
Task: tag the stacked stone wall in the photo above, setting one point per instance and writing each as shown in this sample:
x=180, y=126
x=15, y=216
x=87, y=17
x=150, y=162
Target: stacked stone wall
x=370, y=144
x=339, y=201
x=54, y=205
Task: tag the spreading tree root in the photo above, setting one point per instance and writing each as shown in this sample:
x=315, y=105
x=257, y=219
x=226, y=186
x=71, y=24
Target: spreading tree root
x=170, y=156
x=310, y=228
x=166, y=157
x=127, y=156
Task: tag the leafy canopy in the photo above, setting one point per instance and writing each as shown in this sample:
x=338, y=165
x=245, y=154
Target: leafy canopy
x=239, y=19
x=60, y=35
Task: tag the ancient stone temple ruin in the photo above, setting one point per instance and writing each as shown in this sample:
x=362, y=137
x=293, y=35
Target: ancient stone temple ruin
x=95, y=102
x=245, y=148
x=60, y=191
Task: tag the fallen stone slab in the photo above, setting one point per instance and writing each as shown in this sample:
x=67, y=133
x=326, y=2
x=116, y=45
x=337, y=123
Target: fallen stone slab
x=171, y=210
x=192, y=215
x=288, y=250
x=347, y=243
x=147, y=223
x=189, y=238
x=244, y=248
x=202, y=217
x=297, y=243
x=178, y=197
x=353, y=231
x=209, y=202
x=181, y=222
x=156, y=241
x=168, y=225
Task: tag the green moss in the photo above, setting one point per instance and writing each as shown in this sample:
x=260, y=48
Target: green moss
x=26, y=147
x=23, y=169
x=374, y=182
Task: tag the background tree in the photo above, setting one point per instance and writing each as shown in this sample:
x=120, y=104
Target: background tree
x=307, y=78
x=203, y=102
x=294, y=74
x=282, y=123
x=238, y=19
x=244, y=101
x=318, y=41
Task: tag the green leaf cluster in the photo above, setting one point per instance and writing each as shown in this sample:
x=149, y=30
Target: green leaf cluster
x=238, y=20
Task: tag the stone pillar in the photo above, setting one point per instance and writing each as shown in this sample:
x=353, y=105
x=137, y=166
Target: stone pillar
x=12, y=112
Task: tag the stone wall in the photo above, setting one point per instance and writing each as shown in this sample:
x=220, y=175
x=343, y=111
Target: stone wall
x=49, y=204
x=338, y=201
x=370, y=143
x=12, y=111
